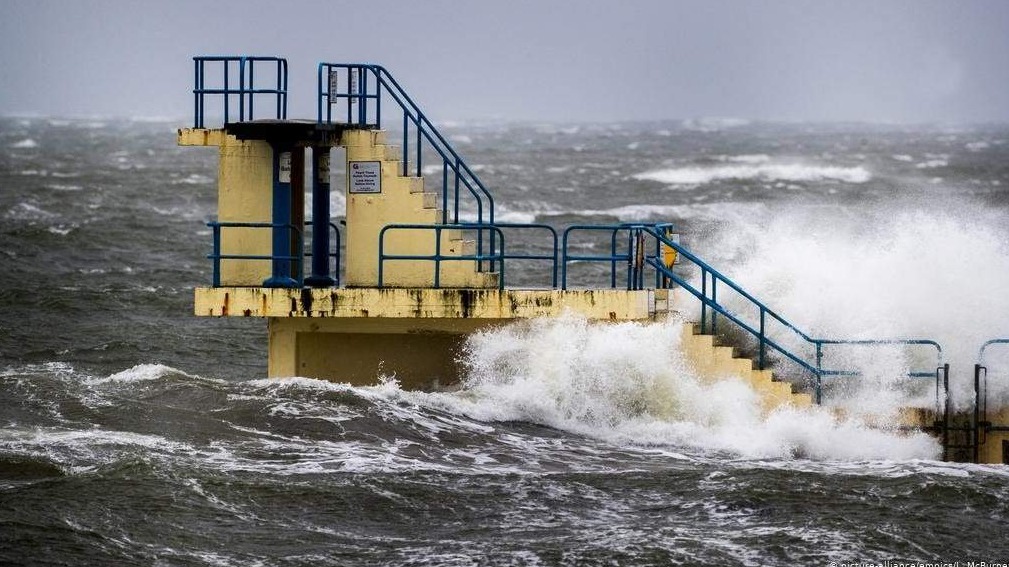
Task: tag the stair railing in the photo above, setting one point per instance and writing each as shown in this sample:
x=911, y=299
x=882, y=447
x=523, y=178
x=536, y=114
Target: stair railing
x=708, y=297
x=361, y=90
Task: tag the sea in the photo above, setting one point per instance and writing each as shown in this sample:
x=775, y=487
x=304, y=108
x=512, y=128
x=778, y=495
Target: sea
x=133, y=433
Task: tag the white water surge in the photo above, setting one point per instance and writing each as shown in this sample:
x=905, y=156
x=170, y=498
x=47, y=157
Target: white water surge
x=630, y=384
x=756, y=169
x=935, y=270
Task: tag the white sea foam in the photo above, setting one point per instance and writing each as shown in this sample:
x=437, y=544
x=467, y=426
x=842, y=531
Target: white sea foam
x=699, y=175
x=60, y=230
x=902, y=157
x=630, y=384
x=932, y=163
x=25, y=144
x=747, y=158
x=191, y=179
x=29, y=211
x=140, y=373
x=714, y=124
x=934, y=270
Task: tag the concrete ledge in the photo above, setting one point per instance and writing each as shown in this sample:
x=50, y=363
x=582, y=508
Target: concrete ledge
x=426, y=303
x=200, y=136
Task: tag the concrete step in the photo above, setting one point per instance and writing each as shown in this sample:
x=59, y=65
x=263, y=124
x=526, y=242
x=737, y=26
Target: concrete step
x=429, y=200
x=712, y=362
x=416, y=184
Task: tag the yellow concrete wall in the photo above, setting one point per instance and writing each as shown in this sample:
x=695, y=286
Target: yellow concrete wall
x=414, y=353
x=244, y=194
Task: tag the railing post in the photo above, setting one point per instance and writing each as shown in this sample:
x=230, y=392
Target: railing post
x=976, y=429
x=760, y=360
x=630, y=259
x=444, y=192
x=336, y=254
x=945, y=411
x=437, y=256
x=501, y=272
x=714, y=302
x=456, y=195
x=252, y=89
x=819, y=373
x=420, y=127
x=704, y=295
x=363, y=85
x=378, y=100
x=613, y=256
x=564, y=259
x=217, y=254
x=197, y=95
x=381, y=255
x=226, y=95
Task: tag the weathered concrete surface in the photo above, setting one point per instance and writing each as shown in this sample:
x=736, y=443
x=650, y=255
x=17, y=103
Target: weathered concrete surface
x=427, y=303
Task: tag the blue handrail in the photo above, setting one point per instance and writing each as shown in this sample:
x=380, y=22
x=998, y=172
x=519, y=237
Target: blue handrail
x=986, y=345
x=295, y=259
x=614, y=258
x=981, y=424
x=246, y=91
x=335, y=254
x=298, y=261
x=438, y=257
x=456, y=174
x=711, y=301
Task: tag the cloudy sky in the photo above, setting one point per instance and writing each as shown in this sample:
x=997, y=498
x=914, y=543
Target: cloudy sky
x=544, y=60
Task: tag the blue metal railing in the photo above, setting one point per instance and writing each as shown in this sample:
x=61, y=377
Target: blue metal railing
x=639, y=254
x=295, y=262
x=362, y=87
x=981, y=423
x=501, y=256
x=334, y=255
x=709, y=300
x=246, y=90
x=615, y=257
x=438, y=257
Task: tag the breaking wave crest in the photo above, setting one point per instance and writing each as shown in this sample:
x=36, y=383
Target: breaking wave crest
x=630, y=384
x=756, y=169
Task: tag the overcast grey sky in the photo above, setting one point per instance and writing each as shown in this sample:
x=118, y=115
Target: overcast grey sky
x=888, y=61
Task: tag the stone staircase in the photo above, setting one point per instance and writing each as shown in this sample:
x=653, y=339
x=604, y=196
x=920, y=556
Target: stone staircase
x=713, y=361
x=403, y=200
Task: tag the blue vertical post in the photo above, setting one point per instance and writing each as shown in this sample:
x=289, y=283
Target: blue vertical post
x=281, y=219
x=320, y=219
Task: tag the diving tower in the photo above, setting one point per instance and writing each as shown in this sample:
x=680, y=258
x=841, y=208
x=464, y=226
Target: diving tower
x=414, y=267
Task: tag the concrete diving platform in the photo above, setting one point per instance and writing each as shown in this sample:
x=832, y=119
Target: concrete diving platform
x=414, y=334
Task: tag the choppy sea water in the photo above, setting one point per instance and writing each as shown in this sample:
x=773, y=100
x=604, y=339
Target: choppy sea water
x=136, y=434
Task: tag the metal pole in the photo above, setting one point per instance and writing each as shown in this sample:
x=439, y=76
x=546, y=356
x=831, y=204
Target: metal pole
x=281, y=220
x=320, y=219
x=217, y=255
